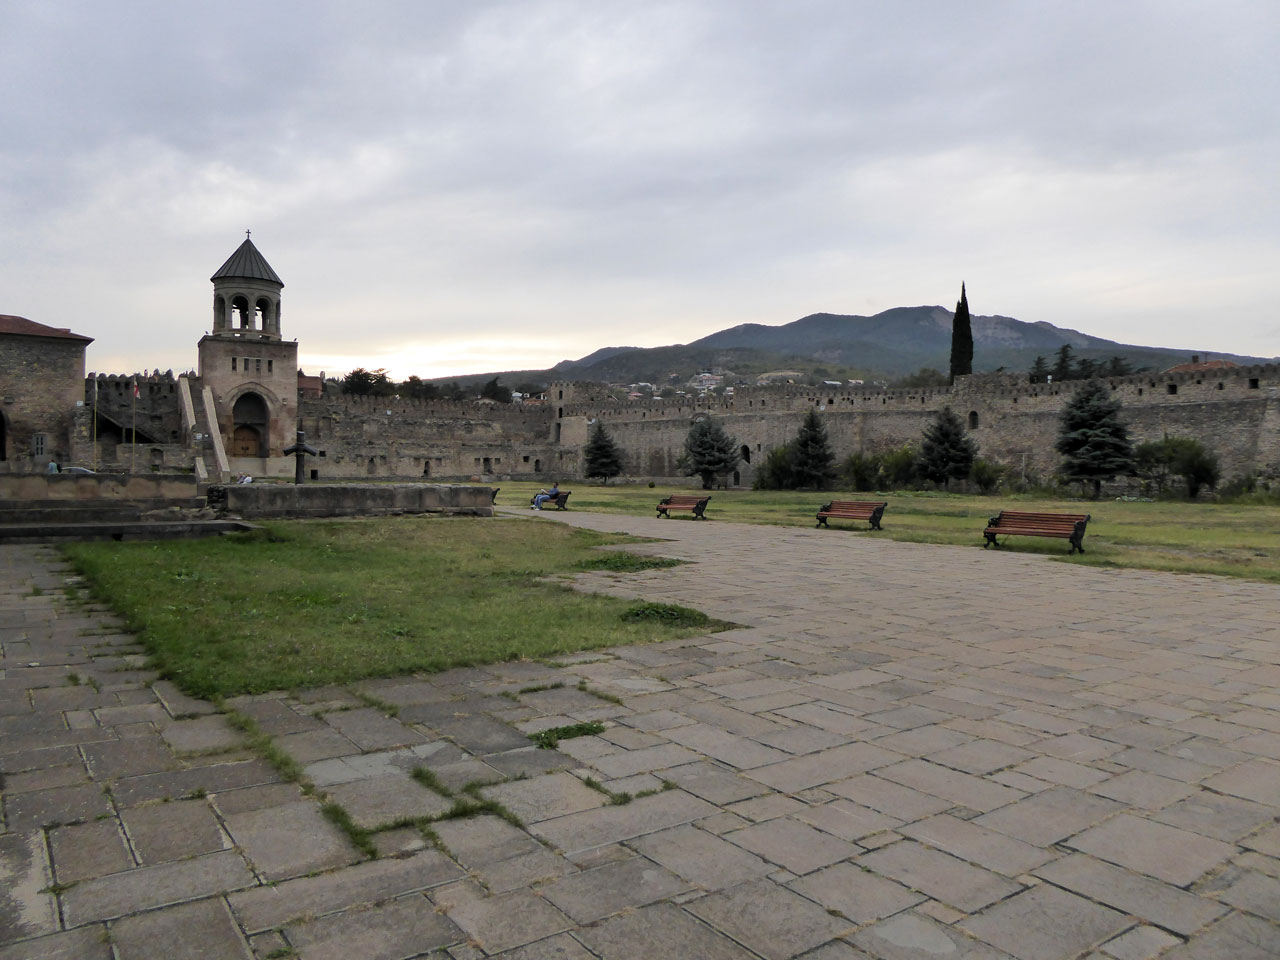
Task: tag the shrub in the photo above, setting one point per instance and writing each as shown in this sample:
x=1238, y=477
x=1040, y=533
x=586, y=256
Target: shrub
x=986, y=475
x=671, y=614
x=898, y=468
x=776, y=470
x=861, y=471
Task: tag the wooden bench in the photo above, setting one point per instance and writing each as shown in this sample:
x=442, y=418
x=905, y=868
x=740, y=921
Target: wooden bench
x=1065, y=526
x=869, y=510
x=557, y=502
x=681, y=502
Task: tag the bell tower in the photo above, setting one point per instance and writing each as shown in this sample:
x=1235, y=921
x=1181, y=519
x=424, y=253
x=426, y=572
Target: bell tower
x=251, y=373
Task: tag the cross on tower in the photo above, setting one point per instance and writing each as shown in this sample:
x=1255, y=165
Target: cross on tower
x=246, y=234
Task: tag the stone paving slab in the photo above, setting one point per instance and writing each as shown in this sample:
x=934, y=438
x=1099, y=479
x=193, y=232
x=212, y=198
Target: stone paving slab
x=869, y=768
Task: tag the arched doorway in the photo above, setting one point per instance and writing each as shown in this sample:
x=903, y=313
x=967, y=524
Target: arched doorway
x=745, y=453
x=249, y=433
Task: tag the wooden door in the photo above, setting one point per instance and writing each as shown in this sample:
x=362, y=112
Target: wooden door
x=246, y=442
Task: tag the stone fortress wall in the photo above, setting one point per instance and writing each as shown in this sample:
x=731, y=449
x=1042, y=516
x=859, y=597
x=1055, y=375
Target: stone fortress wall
x=1234, y=412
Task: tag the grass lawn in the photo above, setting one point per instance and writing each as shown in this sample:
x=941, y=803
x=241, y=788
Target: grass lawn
x=1227, y=539
x=305, y=603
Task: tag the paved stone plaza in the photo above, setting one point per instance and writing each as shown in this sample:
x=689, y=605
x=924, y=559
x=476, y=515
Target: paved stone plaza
x=906, y=752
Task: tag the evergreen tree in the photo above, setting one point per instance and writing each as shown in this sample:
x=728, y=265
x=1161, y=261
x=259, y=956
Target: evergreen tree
x=946, y=453
x=1063, y=365
x=362, y=383
x=493, y=390
x=1119, y=367
x=961, y=339
x=1087, y=368
x=709, y=452
x=812, y=462
x=776, y=470
x=1039, y=371
x=1093, y=441
x=601, y=454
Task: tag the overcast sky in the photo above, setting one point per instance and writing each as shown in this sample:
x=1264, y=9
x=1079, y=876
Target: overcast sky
x=453, y=187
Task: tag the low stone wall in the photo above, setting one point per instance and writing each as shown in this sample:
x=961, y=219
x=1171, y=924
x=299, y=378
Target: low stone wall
x=261, y=500
x=97, y=486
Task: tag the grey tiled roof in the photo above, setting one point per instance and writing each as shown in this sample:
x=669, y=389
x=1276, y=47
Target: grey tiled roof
x=247, y=263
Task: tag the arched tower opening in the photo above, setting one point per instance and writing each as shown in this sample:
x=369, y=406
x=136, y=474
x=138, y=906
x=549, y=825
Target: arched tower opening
x=250, y=418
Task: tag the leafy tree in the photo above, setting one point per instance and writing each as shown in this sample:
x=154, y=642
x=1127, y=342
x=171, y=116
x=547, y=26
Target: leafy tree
x=1158, y=462
x=1063, y=365
x=947, y=452
x=924, y=377
x=899, y=468
x=1039, y=371
x=776, y=470
x=961, y=339
x=453, y=391
x=493, y=390
x=362, y=383
x=1093, y=441
x=812, y=462
x=529, y=388
x=601, y=454
x=861, y=471
x=419, y=389
x=709, y=452
x=1086, y=369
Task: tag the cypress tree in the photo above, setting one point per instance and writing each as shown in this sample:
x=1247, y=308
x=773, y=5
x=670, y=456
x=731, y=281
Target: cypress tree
x=961, y=339
x=1039, y=371
x=1063, y=364
x=812, y=462
x=1093, y=441
x=601, y=454
x=709, y=451
x=947, y=452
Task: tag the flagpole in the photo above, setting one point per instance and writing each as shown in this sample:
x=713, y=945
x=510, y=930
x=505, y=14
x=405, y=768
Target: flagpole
x=95, y=424
x=133, y=427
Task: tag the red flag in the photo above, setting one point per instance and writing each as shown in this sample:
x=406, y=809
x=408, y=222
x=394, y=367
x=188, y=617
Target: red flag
x=136, y=392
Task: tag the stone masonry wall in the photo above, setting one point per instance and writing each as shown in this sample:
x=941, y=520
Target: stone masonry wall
x=40, y=385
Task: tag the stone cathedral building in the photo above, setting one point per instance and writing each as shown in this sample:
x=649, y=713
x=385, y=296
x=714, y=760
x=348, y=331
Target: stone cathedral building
x=242, y=406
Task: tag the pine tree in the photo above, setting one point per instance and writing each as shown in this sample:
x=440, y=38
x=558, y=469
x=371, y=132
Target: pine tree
x=493, y=390
x=1093, y=441
x=709, y=452
x=961, y=339
x=947, y=453
x=812, y=462
x=1063, y=365
x=601, y=454
x=1039, y=371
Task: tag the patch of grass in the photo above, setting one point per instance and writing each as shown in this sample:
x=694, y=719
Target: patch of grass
x=669, y=613
x=285, y=765
x=58, y=888
x=36, y=591
x=549, y=738
x=622, y=562
x=1239, y=537
x=622, y=798
x=361, y=838
x=74, y=679
x=583, y=687
x=306, y=603
x=428, y=779
x=281, y=953
x=538, y=688
x=369, y=700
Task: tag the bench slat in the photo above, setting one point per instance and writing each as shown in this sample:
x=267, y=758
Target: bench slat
x=869, y=510
x=1065, y=526
x=678, y=501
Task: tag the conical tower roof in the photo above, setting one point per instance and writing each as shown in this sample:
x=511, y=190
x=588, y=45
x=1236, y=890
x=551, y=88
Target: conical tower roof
x=247, y=264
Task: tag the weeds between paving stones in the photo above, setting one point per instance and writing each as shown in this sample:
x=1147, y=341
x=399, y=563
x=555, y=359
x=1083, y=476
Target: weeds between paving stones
x=598, y=694
x=549, y=738
x=428, y=779
x=671, y=614
x=542, y=686
x=369, y=700
x=361, y=838
x=285, y=765
x=622, y=562
x=621, y=799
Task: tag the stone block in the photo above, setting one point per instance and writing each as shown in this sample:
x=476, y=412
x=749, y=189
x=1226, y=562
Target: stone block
x=1238, y=937
x=792, y=844
x=371, y=729
x=1045, y=923
x=83, y=943
x=858, y=894
x=560, y=947
x=545, y=797
x=499, y=922
x=660, y=931
x=714, y=783
x=191, y=931
x=910, y=936
x=595, y=894
x=769, y=919
x=939, y=875
x=290, y=840
x=106, y=898
x=594, y=828
x=264, y=908
x=172, y=831
x=702, y=858
x=1156, y=849
x=88, y=850
x=59, y=805
x=408, y=927
x=1052, y=815
x=27, y=909
x=537, y=866
x=978, y=844
x=385, y=799
x=846, y=819
x=202, y=734
x=824, y=767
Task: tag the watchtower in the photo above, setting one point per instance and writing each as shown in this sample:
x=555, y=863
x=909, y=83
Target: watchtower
x=251, y=371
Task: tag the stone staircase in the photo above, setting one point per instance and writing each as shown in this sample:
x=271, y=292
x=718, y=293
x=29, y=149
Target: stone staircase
x=31, y=521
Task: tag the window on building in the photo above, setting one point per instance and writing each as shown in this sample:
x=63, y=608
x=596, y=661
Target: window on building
x=233, y=363
x=973, y=419
x=270, y=364
x=1171, y=388
x=38, y=444
x=258, y=368
x=1253, y=383
x=526, y=459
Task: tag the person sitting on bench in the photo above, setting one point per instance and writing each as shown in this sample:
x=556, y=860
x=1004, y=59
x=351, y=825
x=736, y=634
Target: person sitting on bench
x=545, y=495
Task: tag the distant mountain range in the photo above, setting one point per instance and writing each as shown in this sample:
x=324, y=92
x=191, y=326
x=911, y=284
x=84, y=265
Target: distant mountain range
x=887, y=345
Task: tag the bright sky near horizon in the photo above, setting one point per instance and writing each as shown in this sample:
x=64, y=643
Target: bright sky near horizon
x=458, y=187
